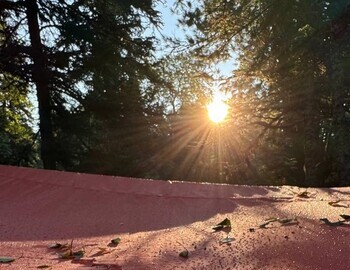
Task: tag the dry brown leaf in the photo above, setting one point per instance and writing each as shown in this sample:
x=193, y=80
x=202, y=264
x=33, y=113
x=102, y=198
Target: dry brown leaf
x=338, y=204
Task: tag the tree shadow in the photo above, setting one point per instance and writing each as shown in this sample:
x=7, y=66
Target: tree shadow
x=307, y=245
x=43, y=205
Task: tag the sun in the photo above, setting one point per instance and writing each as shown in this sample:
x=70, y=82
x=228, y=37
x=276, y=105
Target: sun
x=217, y=110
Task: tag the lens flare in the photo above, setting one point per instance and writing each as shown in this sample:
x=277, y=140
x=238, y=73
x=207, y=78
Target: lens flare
x=217, y=110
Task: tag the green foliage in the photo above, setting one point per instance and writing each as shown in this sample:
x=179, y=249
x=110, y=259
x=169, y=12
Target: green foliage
x=17, y=139
x=111, y=129
x=290, y=92
x=97, y=75
x=185, y=81
x=106, y=105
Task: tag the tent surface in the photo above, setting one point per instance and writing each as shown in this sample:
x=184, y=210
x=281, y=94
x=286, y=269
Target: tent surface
x=156, y=220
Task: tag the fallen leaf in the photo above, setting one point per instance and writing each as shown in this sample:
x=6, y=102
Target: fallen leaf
x=333, y=202
x=72, y=255
x=79, y=254
x=267, y=222
x=116, y=241
x=67, y=255
x=43, y=266
x=338, y=204
x=282, y=221
x=226, y=240
x=272, y=219
x=184, y=254
x=6, y=259
x=345, y=217
x=263, y=225
x=333, y=224
x=285, y=220
x=304, y=194
x=226, y=223
x=58, y=246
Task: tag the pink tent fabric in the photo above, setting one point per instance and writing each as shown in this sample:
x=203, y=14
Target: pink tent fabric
x=156, y=220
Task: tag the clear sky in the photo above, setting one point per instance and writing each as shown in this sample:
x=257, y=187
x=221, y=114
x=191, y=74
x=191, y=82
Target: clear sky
x=171, y=29
x=169, y=19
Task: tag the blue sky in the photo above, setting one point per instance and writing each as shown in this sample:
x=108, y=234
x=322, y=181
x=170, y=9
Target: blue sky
x=171, y=29
x=169, y=19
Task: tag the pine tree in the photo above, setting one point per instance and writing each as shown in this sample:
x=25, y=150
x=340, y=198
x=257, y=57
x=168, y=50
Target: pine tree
x=290, y=80
x=90, y=63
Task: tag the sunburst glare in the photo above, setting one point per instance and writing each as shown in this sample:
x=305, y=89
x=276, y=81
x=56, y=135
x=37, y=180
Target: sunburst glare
x=217, y=110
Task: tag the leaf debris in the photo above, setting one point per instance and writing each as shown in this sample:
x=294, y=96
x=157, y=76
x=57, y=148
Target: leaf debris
x=303, y=194
x=338, y=203
x=225, y=224
x=70, y=254
x=282, y=221
x=43, y=266
x=226, y=240
x=184, y=254
x=6, y=259
x=59, y=246
x=333, y=224
x=115, y=241
x=345, y=217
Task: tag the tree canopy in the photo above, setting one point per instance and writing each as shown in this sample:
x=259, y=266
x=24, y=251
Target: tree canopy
x=290, y=86
x=110, y=102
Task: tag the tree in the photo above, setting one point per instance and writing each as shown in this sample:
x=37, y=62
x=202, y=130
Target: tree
x=17, y=140
x=23, y=23
x=284, y=83
x=110, y=131
x=18, y=144
x=89, y=63
x=184, y=151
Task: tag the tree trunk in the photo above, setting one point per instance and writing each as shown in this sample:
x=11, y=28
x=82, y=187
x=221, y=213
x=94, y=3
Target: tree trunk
x=311, y=156
x=311, y=133
x=40, y=78
x=339, y=90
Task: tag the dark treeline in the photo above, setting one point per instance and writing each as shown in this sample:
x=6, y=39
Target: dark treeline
x=110, y=102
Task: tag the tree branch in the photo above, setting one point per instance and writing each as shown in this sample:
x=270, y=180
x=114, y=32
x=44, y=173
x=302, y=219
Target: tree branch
x=9, y=5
